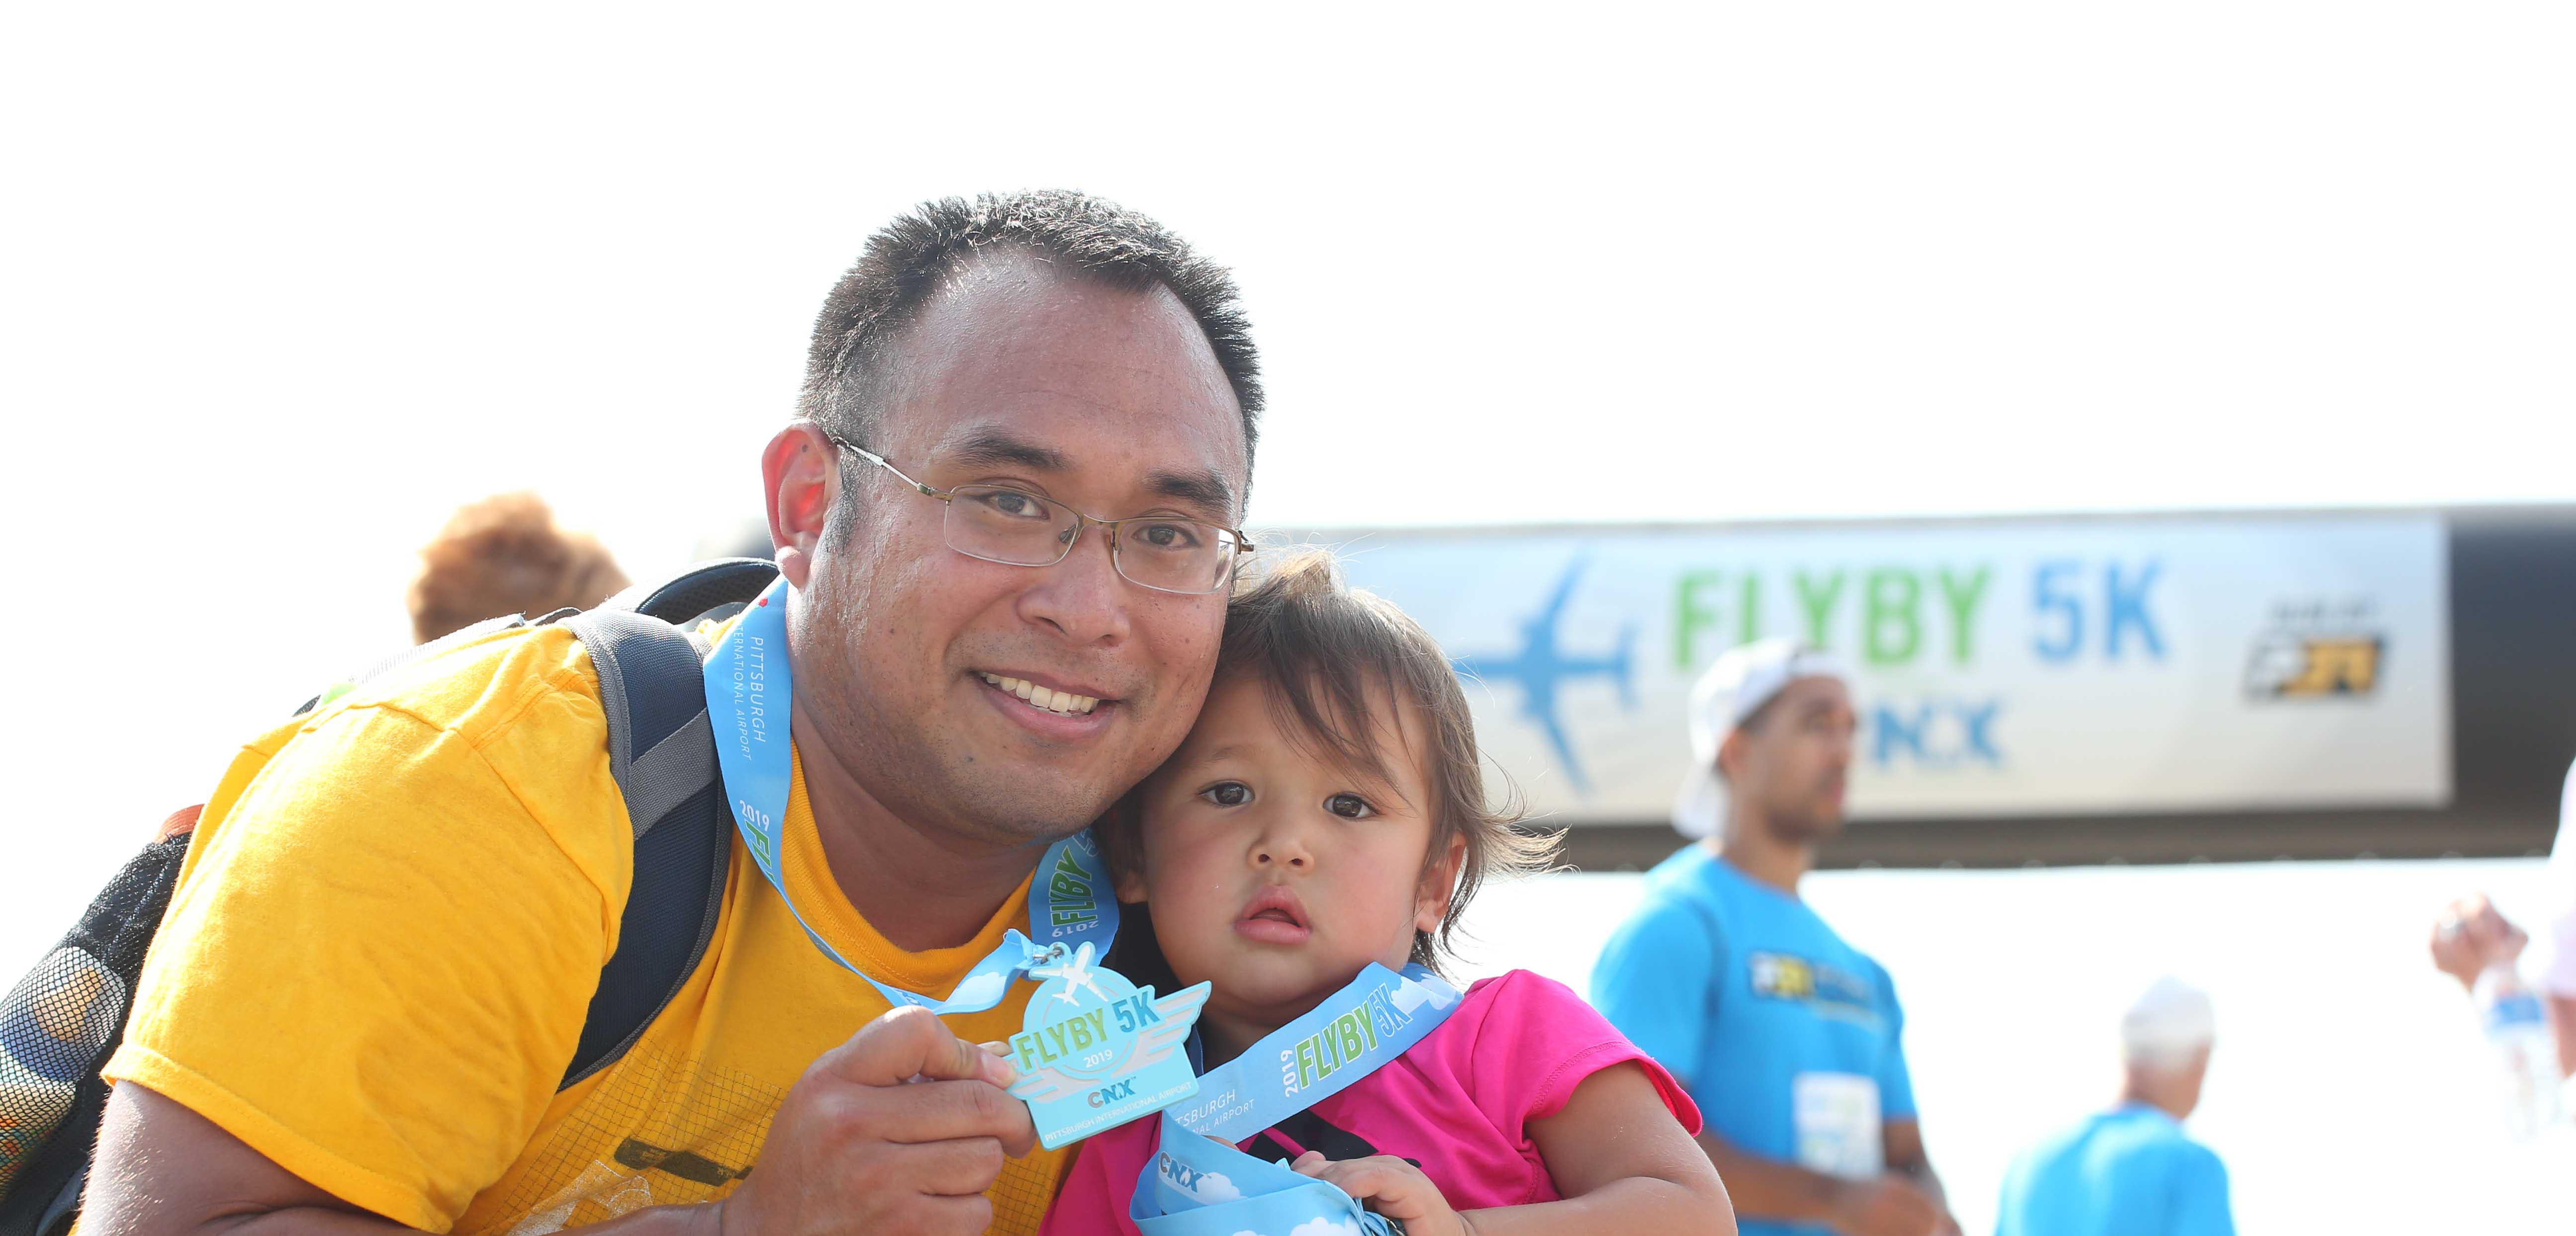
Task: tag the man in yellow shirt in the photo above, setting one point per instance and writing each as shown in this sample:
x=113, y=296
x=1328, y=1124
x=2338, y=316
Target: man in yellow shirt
x=358, y=1013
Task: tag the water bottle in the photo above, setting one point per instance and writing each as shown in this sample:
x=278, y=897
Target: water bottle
x=52, y=1026
x=2518, y=1029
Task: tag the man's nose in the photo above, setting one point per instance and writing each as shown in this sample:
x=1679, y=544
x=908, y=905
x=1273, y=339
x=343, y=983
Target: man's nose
x=1839, y=756
x=1082, y=596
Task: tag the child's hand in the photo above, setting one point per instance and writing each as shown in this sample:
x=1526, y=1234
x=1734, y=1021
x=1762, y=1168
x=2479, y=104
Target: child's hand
x=1391, y=1187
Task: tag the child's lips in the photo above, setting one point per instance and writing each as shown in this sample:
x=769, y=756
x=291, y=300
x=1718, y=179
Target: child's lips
x=1274, y=917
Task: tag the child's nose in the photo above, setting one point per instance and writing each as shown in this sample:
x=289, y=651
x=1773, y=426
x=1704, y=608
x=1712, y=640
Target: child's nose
x=1282, y=844
x=1280, y=856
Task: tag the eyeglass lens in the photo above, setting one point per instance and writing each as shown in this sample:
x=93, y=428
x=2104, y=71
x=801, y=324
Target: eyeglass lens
x=1021, y=529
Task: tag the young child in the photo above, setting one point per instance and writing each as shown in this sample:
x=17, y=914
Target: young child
x=1328, y=812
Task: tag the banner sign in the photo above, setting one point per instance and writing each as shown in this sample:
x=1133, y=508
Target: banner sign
x=2122, y=666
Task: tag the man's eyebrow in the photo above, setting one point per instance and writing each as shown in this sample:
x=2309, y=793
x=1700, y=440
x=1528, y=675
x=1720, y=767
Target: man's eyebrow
x=1206, y=490
x=983, y=448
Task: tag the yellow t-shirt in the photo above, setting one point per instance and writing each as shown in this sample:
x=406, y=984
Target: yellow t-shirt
x=386, y=936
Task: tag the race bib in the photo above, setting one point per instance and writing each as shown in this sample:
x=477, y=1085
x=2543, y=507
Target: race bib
x=1837, y=1122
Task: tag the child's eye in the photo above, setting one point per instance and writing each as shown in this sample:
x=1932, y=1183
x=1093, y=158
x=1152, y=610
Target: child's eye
x=1349, y=806
x=1227, y=793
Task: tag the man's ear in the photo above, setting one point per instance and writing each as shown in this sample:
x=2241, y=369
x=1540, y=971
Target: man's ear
x=1730, y=754
x=1439, y=887
x=801, y=471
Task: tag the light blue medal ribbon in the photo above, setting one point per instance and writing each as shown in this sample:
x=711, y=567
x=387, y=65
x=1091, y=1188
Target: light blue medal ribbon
x=749, y=688
x=1199, y=1187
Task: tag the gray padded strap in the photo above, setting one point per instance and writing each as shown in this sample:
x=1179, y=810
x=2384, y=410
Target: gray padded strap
x=664, y=777
x=601, y=644
x=682, y=759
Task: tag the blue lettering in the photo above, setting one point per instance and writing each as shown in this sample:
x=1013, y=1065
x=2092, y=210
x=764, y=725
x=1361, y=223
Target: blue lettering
x=1937, y=733
x=1977, y=722
x=1387, y=1020
x=1887, y=730
x=1113, y=1092
x=2047, y=599
x=2124, y=608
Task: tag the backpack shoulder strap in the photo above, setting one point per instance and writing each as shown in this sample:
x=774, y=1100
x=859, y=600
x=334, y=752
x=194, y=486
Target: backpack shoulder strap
x=663, y=755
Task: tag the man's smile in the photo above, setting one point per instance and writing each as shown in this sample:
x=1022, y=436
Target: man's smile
x=1052, y=707
x=1035, y=695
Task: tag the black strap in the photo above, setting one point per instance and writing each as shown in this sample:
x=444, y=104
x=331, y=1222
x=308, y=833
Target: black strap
x=663, y=756
x=706, y=586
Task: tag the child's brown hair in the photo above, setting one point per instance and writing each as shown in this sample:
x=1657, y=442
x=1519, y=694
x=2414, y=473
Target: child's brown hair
x=1329, y=652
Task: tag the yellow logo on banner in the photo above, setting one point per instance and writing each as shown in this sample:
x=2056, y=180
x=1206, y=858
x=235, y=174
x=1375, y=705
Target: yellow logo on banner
x=2315, y=666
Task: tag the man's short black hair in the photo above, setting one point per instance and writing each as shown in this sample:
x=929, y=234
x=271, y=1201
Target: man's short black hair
x=912, y=256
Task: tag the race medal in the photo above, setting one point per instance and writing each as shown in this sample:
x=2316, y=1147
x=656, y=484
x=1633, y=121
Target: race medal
x=1097, y=1052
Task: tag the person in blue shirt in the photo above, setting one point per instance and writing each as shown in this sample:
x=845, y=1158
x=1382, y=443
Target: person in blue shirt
x=2131, y=1171
x=1788, y=1038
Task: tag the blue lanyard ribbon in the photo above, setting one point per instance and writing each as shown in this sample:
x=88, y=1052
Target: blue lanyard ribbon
x=749, y=689
x=1202, y=1187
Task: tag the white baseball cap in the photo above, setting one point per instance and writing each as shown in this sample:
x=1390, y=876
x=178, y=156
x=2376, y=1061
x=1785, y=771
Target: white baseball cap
x=2168, y=1023
x=1736, y=686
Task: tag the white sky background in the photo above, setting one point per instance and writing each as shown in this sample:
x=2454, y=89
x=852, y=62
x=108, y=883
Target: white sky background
x=280, y=287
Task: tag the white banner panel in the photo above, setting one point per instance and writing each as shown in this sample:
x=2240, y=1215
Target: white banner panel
x=2105, y=666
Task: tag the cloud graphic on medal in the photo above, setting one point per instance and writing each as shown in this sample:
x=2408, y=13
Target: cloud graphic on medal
x=1096, y=1051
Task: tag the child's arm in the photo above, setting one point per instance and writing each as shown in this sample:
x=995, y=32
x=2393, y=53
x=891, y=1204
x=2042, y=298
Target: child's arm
x=1621, y=1160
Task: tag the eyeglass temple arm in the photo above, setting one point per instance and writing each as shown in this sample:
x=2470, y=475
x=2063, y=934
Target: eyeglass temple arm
x=880, y=461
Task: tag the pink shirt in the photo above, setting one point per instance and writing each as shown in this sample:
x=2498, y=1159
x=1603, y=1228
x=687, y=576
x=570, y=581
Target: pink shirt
x=1459, y=1104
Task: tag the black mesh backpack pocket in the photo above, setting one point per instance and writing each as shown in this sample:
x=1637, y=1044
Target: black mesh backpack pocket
x=57, y=1028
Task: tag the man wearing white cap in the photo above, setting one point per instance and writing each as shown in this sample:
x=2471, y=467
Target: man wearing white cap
x=2131, y=1171
x=1787, y=1037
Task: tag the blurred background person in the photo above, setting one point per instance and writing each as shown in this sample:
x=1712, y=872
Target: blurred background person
x=2131, y=1171
x=504, y=555
x=2533, y=1031
x=1787, y=1037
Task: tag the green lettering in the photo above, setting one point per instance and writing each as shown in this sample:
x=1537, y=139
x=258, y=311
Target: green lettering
x=1748, y=610
x=1353, y=1042
x=1892, y=595
x=1962, y=598
x=1816, y=606
x=1024, y=1046
x=1689, y=616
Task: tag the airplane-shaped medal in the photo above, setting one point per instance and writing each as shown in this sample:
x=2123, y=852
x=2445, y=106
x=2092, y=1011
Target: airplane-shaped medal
x=1097, y=1052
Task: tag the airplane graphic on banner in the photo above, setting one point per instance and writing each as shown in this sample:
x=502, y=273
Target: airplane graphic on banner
x=1540, y=666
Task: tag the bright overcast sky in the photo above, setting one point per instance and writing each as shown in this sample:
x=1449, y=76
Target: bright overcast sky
x=279, y=288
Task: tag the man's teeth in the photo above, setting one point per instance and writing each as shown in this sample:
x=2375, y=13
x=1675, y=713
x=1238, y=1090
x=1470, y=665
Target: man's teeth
x=1041, y=697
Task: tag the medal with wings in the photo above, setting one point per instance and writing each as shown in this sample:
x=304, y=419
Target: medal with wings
x=1098, y=1051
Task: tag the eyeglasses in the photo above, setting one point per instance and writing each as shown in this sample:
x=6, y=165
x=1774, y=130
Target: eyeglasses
x=997, y=523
